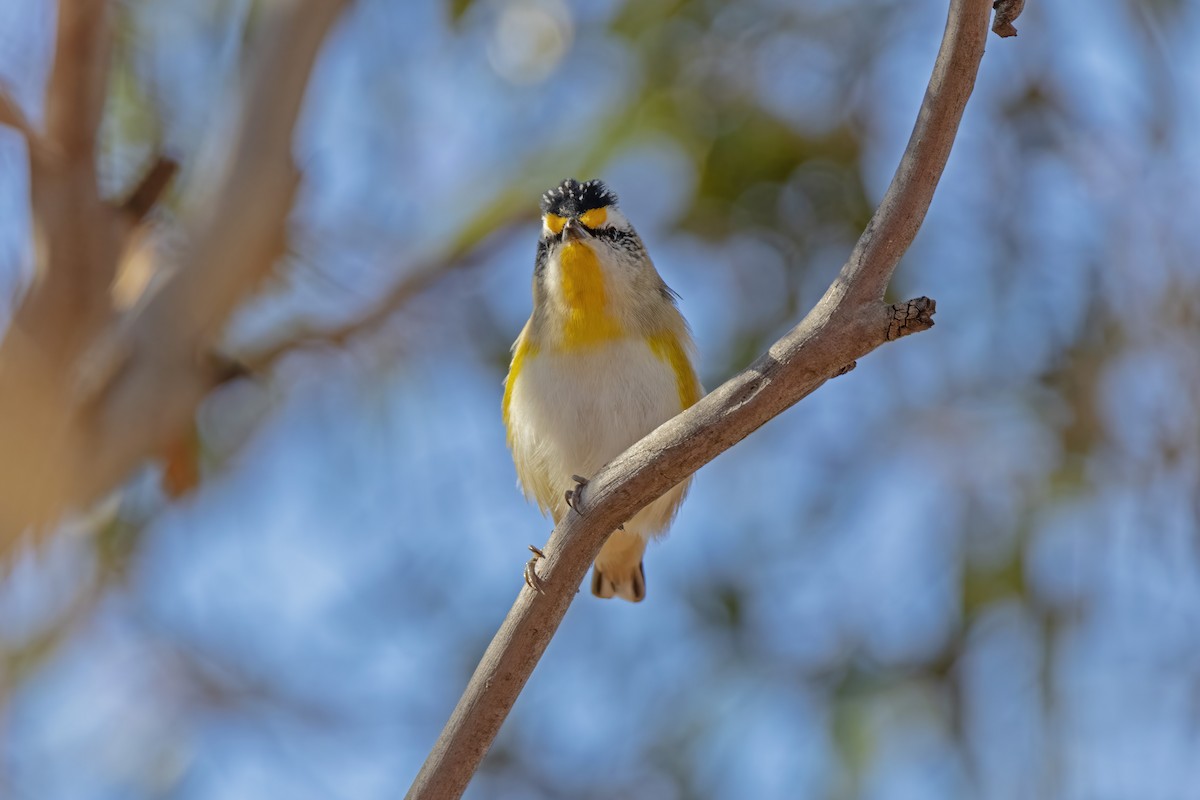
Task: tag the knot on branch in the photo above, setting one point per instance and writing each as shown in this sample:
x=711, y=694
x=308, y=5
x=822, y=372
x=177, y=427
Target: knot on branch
x=911, y=317
x=1007, y=12
x=149, y=189
x=221, y=369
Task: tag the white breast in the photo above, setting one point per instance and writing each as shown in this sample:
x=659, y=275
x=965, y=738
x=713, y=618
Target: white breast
x=573, y=412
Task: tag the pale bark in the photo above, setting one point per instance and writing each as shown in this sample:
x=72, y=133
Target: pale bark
x=88, y=392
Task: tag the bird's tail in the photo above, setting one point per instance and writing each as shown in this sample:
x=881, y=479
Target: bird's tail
x=618, y=568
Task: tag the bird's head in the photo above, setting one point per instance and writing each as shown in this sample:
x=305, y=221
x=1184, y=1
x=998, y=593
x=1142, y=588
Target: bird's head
x=584, y=212
x=593, y=280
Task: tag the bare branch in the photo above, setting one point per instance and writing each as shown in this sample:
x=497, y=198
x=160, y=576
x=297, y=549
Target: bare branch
x=463, y=256
x=902, y=210
x=75, y=94
x=849, y=322
x=142, y=376
x=149, y=189
x=235, y=238
x=12, y=116
x=76, y=244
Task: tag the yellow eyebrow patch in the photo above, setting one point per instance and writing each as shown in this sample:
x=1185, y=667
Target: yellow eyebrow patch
x=555, y=223
x=594, y=218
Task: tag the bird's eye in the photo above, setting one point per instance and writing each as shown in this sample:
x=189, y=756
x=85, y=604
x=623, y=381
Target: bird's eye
x=555, y=223
x=594, y=218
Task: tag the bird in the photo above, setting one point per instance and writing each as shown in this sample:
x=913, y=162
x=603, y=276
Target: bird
x=605, y=358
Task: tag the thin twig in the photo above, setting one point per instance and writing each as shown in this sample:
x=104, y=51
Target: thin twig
x=849, y=322
x=12, y=116
x=139, y=202
x=416, y=281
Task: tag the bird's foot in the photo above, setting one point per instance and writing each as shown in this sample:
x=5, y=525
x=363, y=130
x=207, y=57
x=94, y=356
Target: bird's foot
x=532, y=579
x=575, y=496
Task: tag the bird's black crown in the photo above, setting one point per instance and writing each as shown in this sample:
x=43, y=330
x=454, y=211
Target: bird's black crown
x=572, y=198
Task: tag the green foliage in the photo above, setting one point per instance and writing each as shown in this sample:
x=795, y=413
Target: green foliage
x=457, y=9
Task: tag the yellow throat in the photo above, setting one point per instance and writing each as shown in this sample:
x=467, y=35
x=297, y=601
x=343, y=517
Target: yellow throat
x=588, y=320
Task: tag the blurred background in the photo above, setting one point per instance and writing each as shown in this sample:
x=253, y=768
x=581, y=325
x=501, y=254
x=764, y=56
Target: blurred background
x=969, y=568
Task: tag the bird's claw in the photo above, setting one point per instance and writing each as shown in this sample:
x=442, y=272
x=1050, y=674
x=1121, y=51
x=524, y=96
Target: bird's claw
x=574, y=496
x=532, y=579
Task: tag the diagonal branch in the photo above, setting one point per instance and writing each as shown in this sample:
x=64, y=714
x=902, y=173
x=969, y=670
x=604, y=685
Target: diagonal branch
x=418, y=279
x=891, y=231
x=850, y=321
x=145, y=195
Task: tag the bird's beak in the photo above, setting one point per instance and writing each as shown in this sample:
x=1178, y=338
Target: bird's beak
x=574, y=231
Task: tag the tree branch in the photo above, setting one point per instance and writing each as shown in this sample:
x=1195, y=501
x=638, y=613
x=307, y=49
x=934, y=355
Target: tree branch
x=145, y=195
x=85, y=397
x=12, y=116
x=75, y=95
x=462, y=256
x=76, y=247
x=235, y=237
x=850, y=321
x=76, y=244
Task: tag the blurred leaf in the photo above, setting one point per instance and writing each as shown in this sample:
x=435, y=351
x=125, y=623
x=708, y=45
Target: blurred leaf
x=985, y=586
x=749, y=161
x=851, y=724
x=721, y=604
x=116, y=544
x=458, y=9
x=637, y=17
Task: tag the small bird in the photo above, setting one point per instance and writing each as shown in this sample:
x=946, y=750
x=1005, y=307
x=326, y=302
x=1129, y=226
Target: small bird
x=604, y=359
